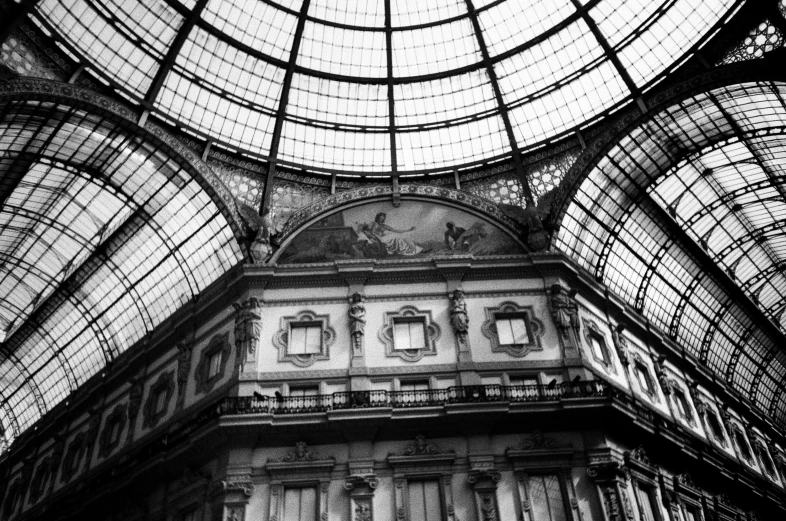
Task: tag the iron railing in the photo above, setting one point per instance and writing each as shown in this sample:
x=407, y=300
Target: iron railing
x=259, y=404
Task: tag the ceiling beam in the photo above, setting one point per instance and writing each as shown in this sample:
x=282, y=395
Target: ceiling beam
x=173, y=52
x=391, y=97
x=281, y=113
x=503, y=109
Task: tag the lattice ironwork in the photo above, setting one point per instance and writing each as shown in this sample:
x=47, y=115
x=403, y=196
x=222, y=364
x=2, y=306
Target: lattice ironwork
x=764, y=38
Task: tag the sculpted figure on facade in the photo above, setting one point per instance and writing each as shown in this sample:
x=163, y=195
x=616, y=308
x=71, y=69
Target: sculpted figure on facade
x=458, y=316
x=248, y=328
x=565, y=311
x=183, y=366
x=357, y=322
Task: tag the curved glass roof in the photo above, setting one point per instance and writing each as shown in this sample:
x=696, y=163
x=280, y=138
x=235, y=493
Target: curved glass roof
x=102, y=236
x=380, y=86
x=713, y=165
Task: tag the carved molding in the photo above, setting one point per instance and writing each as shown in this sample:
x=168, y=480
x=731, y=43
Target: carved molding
x=420, y=455
x=510, y=309
x=282, y=337
x=431, y=330
x=301, y=460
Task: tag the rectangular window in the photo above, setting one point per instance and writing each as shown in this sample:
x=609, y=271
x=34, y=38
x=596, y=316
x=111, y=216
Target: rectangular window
x=715, y=425
x=682, y=405
x=214, y=364
x=114, y=432
x=646, y=504
x=304, y=391
x=742, y=443
x=598, y=347
x=159, y=405
x=547, y=499
x=305, y=339
x=690, y=513
x=643, y=375
x=512, y=330
x=425, y=500
x=300, y=504
x=415, y=385
x=409, y=334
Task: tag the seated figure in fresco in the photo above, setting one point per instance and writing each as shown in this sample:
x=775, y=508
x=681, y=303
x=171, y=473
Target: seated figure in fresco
x=380, y=232
x=454, y=237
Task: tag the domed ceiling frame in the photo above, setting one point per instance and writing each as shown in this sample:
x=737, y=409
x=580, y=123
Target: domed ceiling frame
x=59, y=104
x=760, y=331
x=611, y=42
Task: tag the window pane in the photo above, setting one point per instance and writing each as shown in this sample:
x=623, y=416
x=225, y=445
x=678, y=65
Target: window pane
x=160, y=401
x=417, y=336
x=597, y=347
x=214, y=365
x=313, y=339
x=297, y=340
x=414, y=386
x=519, y=330
x=424, y=501
x=504, y=331
x=303, y=391
x=546, y=498
x=645, y=501
x=401, y=335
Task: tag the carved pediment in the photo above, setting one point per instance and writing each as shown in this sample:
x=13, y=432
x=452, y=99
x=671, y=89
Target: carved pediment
x=421, y=453
x=301, y=460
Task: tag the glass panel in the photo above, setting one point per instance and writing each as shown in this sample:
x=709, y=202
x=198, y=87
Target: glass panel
x=598, y=347
x=646, y=504
x=313, y=339
x=160, y=401
x=415, y=386
x=546, y=500
x=401, y=338
x=417, y=335
x=425, y=502
x=297, y=340
x=304, y=391
x=214, y=364
x=644, y=377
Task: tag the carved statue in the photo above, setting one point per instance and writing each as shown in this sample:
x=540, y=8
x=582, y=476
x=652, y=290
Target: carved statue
x=134, y=402
x=621, y=343
x=257, y=232
x=488, y=509
x=183, y=365
x=357, y=321
x=248, y=328
x=458, y=313
x=535, y=220
x=362, y=511
x=565, y=311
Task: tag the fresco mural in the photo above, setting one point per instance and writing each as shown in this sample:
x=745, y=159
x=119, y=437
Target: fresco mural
x=381, y=231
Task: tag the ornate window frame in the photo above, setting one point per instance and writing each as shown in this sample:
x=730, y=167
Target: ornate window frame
x=737, y=434
x=218, y=344
x=767, y=462
x=644, y=480
x=12, y=499
x=117, y=417
x=306, y=317
x=73, y=457
x=510, y=309
x=299, y=468
x=43, y=474
x=164, y=384
x=678, y=392
x=592, y=331
x=540, y=455
x=409, y=313
x=652, y=392
x=722, y=440
x=422, y=461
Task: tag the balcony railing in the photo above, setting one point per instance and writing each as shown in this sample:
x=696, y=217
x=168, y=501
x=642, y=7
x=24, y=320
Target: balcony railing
x=260, y=404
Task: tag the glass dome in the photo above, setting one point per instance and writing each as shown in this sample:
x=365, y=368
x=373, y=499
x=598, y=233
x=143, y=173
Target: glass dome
x=373, y=87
